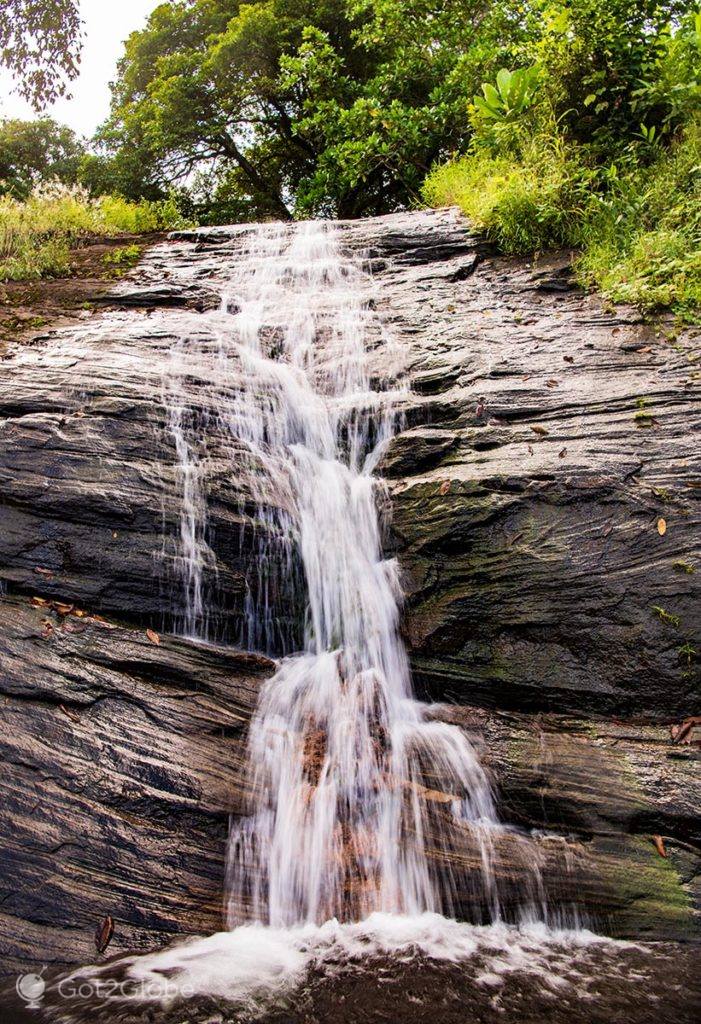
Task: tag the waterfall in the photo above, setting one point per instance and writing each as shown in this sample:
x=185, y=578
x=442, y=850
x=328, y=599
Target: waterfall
x=361, y=801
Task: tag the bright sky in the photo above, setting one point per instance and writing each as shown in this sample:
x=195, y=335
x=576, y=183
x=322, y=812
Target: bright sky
x=106, y=24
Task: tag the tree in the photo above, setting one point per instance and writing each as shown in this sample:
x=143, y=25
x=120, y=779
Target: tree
x=289, y=107
x=34, y=151
x=40, y=43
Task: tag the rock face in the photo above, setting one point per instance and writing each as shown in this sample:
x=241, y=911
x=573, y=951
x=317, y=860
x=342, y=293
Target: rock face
x=123, y=759
x=548, y=442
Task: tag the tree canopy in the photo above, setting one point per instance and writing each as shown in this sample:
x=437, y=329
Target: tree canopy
x=34, y=151
x=284, y=108
x=40, y=43
x=303, y=106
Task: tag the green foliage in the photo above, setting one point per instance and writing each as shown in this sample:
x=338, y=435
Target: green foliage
x=36, y=151
x=40, y=45
x=121, y=259
x=36, y=235
x=301, y=107
x=513, y=95
x=576, y=166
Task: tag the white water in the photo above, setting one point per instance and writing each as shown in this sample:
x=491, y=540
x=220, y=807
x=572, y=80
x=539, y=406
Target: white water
x=362, y=803
x=371, y=824
x=254, y=967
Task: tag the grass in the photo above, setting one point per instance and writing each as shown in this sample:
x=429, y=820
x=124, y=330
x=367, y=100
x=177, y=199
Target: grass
x=119, y=260
x=635, y=222
x=37, y=235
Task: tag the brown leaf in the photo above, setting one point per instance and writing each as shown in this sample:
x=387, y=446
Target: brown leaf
x=153, y=636
x=661, y=527
x=62, y=609
x=552, y=383
x=38, y=602
x=681, y=732
x=80, y=612
x=70, y=714
x=44, y=572
x=445, y=487
x=539, y=430
x=659, y=846
x=568, y=359
x=103, y=934
x=562, y=453
x=103, y=622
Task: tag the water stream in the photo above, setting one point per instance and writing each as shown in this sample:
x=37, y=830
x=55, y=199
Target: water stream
x=372, y=846
x=362, y=802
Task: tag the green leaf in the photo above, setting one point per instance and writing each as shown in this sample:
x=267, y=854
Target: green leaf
x=492, y=96
x=504, y=79
x=588, y=100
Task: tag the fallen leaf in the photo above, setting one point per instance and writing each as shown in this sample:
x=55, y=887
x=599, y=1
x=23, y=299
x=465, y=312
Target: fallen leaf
x=680, y=732
x=661, y=527
x=539, y=430
x=70, y=714
x=552, y=383
x=42, y=571
x=102, y=621
x=154, y=637
x=38, y=602
x=80, y=612
x=445, y=487
x=568, y=359
x=562, y=453
x=62, y=609
x=103, y=934
x=659, y=846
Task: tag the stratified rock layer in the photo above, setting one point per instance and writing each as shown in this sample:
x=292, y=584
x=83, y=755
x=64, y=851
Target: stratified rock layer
x=546, y=438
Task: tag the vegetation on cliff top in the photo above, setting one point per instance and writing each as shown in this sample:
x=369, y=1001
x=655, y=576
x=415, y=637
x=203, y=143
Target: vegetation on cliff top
x=602, y=152
x=37, y=234
x=235, y=110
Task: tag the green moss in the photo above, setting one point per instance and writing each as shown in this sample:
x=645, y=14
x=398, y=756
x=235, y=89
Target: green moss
x=666, y=617
x=652, y=897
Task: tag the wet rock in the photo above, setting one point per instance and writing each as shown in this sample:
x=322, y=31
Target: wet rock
x=122, y=760
x=545, y=438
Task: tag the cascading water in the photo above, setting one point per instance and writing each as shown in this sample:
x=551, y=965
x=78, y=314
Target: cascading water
x=372, y=823
x=361, y=802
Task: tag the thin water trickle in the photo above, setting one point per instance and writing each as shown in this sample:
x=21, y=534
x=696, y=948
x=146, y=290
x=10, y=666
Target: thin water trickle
x=361, y=802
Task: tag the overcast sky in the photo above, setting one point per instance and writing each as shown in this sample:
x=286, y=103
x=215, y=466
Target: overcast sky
x=106, y=24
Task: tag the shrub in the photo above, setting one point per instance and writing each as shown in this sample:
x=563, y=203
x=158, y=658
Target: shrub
x=636, y=220
x=36, y=235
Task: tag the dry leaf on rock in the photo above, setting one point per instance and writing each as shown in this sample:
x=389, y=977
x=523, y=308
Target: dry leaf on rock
x=103, y=934
x=659, y=845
